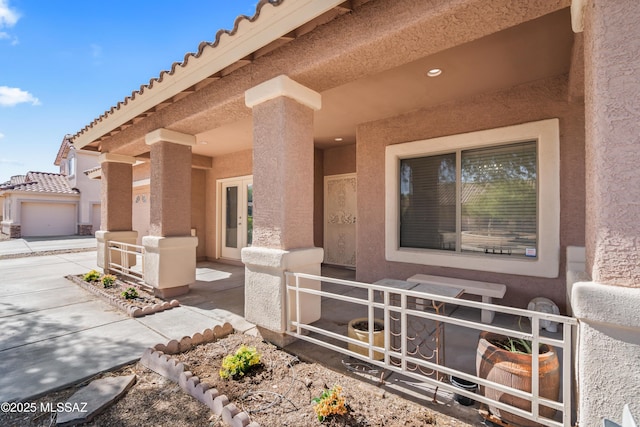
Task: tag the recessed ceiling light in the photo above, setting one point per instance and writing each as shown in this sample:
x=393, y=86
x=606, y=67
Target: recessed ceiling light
x=434, y=72
x=337, y=139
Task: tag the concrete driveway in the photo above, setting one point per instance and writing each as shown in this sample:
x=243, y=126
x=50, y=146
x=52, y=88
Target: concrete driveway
x=55, y=334
x=31, y=245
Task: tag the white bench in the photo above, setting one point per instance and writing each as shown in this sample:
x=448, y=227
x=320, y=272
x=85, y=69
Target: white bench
x=486, y=290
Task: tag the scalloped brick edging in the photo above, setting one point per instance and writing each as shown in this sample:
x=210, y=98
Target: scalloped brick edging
x=130, y=309
x=158, y=360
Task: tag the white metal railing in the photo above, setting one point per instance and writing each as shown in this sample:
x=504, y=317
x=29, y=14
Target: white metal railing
x=123, y=259
x=372, y=302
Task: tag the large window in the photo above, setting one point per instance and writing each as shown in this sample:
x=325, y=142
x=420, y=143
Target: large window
x=485, y=200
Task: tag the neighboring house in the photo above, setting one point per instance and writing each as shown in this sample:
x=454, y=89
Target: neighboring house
x=53, y=204
x=323, y=129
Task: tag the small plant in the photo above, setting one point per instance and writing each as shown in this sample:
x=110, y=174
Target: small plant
x=92, y=276
x=239, y=363
x=514, y=345
x=331, y=402
x=108, y=280
x=130, y=293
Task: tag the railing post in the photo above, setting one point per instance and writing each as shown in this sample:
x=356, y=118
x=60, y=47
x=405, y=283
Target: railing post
x=387, y=327
x=535, y=366
x=298, y=330
x=371, y=322
x=403, y=331
x=567, y=339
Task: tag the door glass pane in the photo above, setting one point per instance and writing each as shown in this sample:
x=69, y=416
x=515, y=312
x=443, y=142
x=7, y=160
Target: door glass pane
x=231, y=218
x=249, y=214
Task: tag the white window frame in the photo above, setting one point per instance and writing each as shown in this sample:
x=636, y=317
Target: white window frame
x=546, y=264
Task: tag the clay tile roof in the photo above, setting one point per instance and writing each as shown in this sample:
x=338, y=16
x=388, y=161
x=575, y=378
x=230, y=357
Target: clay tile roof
x=195, y=55
x=14, y=180
x=43, y=182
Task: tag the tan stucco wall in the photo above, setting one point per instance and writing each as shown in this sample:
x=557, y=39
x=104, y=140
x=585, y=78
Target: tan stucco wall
x=116, y=196
x=227, y=166
x=536, y=101
x=142, y=171
x=318, y=197
x=170, y=189
x=612, y=67
x=198, y=209
x=283, y=174
x=340, y=160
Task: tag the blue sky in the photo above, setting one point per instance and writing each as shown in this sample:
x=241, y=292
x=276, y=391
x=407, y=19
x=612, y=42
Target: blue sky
x=63, y=63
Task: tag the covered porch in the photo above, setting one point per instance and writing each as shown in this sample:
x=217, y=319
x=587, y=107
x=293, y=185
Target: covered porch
x=237, y=143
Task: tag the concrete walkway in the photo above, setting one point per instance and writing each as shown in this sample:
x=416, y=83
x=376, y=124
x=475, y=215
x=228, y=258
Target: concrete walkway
x=55, y=334
x=31, y=245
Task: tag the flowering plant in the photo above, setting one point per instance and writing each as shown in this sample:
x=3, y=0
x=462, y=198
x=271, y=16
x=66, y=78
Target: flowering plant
x=330, y=402
x=239, y=363
x=108, y=280
x=92, y=276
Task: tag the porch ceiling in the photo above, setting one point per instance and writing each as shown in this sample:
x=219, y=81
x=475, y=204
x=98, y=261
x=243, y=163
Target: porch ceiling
x=531, y=51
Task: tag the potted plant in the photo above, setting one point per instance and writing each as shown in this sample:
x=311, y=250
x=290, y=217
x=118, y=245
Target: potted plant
x=507, y=361
x=359, y=329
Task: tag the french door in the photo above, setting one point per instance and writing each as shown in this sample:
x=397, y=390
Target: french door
x=236, y=214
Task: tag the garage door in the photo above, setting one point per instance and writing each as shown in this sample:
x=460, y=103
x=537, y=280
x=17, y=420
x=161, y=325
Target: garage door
x=47, y=219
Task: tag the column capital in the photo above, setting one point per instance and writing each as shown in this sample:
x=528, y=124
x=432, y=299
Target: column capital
x=116, y=158
x=168, y=135
x=577, y=15
x=282, y=86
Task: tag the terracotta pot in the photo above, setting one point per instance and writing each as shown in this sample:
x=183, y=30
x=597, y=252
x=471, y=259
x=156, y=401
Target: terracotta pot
x=514, y=370
x=362, y=334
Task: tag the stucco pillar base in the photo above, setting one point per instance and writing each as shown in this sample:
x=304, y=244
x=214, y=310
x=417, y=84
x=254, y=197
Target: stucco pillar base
x=170, y=264
x=104, y=237
x=264, y=288
x=608, y=351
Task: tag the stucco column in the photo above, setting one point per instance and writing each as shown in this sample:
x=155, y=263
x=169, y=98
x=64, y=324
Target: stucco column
x=116, y=206
x=283, y=202
x=609, y=342
x=170, y=250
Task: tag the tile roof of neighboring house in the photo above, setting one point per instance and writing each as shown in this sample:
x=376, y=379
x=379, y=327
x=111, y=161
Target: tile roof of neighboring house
x=195, y=55
x=41, y=182
x=14, y=180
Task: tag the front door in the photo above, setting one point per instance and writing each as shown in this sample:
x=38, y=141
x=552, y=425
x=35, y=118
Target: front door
x=340, y=220
x=236, y=216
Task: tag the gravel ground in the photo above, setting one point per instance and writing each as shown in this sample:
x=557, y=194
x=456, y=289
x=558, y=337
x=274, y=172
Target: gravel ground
x=278, y=393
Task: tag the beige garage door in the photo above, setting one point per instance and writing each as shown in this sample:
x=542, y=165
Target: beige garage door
x=48, y=219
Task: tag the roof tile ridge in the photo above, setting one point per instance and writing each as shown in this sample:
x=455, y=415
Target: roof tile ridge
x=182, y=64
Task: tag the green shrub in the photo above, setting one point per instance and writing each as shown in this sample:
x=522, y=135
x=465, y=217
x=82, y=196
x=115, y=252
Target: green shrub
x=130, y=293
x=238, y=364
x=108, y=280
x=92, y=276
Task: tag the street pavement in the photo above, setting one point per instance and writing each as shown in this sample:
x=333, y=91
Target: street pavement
x=55, y=334
x=31, y=245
